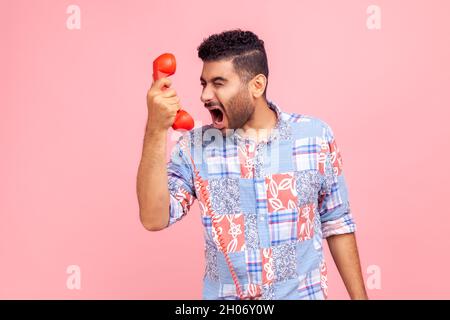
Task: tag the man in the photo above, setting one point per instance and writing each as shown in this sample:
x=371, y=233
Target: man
x=269, y=183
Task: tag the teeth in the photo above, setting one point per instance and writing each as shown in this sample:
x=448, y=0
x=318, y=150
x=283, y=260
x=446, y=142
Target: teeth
x=218, y=125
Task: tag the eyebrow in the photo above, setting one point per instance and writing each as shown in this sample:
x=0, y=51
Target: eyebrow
x=215, y=79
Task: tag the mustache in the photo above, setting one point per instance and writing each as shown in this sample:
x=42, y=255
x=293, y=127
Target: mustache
x=213, y=104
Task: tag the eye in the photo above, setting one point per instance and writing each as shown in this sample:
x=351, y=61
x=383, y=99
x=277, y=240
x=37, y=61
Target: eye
x=217, y=84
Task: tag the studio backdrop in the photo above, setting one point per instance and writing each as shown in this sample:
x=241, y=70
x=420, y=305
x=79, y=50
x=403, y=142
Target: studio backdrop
x=74, y=78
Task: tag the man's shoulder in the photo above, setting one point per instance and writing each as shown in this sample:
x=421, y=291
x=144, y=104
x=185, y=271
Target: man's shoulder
x=305, y=120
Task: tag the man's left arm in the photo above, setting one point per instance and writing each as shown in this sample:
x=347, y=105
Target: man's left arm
x=344, y=250
x=337, y=223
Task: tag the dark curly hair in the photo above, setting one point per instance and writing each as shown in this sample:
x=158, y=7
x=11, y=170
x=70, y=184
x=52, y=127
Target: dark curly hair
x=244, y=48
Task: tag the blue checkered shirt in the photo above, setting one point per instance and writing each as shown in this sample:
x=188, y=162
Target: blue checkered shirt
x=275, y=201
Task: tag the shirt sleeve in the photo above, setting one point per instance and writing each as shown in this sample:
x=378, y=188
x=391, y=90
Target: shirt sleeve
x=180, y=183
x=334, y=206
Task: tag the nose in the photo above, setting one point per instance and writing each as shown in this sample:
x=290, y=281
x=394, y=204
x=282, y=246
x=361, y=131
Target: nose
x=207, y=95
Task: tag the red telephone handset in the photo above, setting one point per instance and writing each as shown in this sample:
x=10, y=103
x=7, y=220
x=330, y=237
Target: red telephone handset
x=164, y=66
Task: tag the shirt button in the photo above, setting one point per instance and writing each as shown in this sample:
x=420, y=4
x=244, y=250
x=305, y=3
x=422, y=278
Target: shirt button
x=262, y=218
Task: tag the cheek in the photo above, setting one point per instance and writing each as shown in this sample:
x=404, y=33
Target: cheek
x=226, y=103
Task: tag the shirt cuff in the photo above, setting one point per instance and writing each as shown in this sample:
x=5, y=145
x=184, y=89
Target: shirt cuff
x=179, y=205
x=342, y=225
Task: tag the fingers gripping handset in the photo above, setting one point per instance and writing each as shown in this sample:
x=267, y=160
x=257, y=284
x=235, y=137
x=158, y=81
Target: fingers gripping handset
x=164, y=66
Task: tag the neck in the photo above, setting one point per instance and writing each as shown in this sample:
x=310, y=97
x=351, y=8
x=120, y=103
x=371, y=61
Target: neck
x=261, y=122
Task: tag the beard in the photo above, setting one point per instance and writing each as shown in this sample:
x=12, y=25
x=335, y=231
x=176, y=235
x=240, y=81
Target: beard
x=239, y=109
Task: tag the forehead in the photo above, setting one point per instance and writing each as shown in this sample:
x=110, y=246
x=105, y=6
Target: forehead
x=221, y=68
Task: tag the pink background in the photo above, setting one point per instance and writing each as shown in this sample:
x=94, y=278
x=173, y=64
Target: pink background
x=73, y=113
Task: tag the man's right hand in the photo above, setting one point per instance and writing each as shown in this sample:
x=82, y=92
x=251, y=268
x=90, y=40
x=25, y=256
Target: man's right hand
x=163, y=104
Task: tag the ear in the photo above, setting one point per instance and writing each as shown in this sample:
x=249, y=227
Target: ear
x=257, y=85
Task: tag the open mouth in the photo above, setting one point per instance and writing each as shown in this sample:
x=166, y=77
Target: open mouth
x=217, y=117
